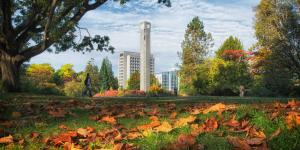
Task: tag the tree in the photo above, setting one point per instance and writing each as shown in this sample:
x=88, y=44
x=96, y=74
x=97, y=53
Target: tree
x=28, y=28
x=231, y=43
x=65, y=74
x=40, y=73
x=133, y=82
x=278, y=33
x=93, y=70
x=195, y=47
x=107, y=79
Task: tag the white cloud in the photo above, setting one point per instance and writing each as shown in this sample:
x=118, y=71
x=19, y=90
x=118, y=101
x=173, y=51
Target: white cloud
x=221, y=17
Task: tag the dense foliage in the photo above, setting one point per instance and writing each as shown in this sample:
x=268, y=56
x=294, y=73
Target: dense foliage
x=108, y=81
x=277, y=61
x=43, y=79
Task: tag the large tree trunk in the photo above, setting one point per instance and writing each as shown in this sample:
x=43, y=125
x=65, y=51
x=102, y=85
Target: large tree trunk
x=9, y=68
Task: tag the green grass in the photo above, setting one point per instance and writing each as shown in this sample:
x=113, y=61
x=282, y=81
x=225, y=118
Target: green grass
x=48, y=126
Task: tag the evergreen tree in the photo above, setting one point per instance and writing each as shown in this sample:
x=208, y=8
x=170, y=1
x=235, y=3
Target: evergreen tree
x=231, y=43
x=195, y=48
x=107, y=79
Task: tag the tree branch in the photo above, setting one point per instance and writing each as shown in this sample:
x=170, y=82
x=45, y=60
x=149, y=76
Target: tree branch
x=7, y=22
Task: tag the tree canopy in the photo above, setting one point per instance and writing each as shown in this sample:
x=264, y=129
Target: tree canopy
x=28, y=28
x=231, y=43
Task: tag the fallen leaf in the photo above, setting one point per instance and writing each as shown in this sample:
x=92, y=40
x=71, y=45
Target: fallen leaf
x=255, y=141
x=210, y=125
x=216, y=107
x=184, y=139
x=109, y=119
x=173, y=115
x=238, y=143
x=196, y=129
x=252, y=132
x=292, y=119
x=274, y=134
x=184, y=121
x=164, y=127
x=82, y=132
x=154, y=123
x=232, y=123
x=64, y=137
x=6, y=140
x=133, y=135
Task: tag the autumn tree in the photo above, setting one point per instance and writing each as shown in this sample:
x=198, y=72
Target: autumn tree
x=278, y=33
x=231, y=43
x=29, y=28
x=107, y=79
x=195, y=48
x=133, y=82
x=65, y=74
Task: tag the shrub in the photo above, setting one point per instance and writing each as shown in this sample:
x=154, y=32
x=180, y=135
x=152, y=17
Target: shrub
x=73, y=88
x=132, y=93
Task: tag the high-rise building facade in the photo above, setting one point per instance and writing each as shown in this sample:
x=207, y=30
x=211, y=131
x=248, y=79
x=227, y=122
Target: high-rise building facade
x=129, y=62
x=145, y=45
x=169, y=80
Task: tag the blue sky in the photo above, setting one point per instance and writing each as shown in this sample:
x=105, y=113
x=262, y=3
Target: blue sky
x=221, y=18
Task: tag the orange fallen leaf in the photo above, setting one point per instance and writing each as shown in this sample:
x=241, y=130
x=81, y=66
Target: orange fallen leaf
x=173, y=115
x=109, y=119
x=253, y=133
x=6, y=140
x=64, y=137
x=82, y=132
x=184, y=121
x=232, y=123
x=196, y=129
x=238, y=143
x=292, y=119
x=210, y=125
x=164, y=127
x=216, y=107
x=133, y=135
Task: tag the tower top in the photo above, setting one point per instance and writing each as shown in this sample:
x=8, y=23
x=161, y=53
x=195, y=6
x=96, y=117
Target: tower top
x=145, y=25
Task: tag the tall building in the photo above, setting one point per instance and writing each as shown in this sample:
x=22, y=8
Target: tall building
x=169, y=80
x=129, y=62
x=145, y=29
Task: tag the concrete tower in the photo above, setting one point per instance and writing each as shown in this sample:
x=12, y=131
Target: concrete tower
x=145, y=29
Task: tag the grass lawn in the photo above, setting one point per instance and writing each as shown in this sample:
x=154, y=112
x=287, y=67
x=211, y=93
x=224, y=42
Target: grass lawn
x=44, y=122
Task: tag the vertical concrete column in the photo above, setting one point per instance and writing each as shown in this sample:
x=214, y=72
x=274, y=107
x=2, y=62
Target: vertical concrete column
x=145, y=29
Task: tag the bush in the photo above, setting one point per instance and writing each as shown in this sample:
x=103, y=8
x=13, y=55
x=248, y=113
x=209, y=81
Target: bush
x=30, y=86
x=133, y=93
x=73, y=88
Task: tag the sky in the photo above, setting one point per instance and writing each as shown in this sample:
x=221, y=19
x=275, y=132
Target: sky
x=221, y=18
